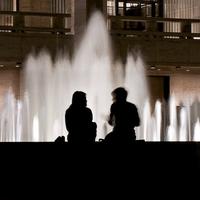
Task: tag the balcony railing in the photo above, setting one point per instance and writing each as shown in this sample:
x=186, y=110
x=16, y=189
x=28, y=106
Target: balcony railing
x=35, y=22
x=154, y=28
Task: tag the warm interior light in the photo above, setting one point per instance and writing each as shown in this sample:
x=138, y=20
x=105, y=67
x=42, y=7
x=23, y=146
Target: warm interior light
x=152, y=67
x=18, y=64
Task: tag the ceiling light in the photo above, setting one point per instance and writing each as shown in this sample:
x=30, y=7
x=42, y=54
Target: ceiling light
x=152, y=67
x=18, y=64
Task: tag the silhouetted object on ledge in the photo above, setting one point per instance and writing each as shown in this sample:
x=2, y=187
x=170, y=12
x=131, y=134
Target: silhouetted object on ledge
x=123, y=117
x=78, y=120
x=60, y=139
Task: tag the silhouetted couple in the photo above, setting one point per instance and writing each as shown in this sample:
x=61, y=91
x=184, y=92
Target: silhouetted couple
x=123, y=117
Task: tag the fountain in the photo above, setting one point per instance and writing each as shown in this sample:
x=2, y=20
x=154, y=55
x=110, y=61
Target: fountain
x=48, y=87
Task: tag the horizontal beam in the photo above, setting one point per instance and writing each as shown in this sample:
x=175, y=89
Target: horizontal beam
x=157, y=34
x=16, y=22
x=154, y=19
x=14, y=13
x=34, y=29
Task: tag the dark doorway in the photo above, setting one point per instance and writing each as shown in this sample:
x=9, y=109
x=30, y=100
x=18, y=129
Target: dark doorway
x=159, y=89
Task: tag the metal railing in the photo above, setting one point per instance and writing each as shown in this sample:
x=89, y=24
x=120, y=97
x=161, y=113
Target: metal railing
x=154, y=27
x=35, y=22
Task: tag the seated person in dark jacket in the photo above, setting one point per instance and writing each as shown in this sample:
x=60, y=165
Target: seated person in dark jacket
x=78, y=120
x=123, y=117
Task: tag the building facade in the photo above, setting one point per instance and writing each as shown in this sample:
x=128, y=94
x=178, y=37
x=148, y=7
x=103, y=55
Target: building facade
x=166, y=32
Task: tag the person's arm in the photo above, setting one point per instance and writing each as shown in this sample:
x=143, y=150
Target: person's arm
x=66, y=120
x=90, y=115
x=137, y=118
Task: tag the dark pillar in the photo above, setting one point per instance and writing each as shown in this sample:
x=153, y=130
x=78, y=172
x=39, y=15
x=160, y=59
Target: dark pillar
x=165, y=113
x=166, y=88
x=116, y=7
x=160, y=14
x=160, y=8
x=153, y=9
x=17, y=5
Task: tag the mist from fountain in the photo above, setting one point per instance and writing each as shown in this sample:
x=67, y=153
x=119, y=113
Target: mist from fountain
x=47, y=88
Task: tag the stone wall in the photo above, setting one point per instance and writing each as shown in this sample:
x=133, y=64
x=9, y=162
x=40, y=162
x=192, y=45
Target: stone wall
x=185, y=86
x=9, y=78
x=156, y=86
x=160, y=52
x=15, y=47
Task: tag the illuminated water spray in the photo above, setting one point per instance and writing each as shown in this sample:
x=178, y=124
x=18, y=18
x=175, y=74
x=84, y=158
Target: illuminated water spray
x=48, y=87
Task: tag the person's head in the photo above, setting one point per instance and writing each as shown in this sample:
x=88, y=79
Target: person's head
x=119, y=94
x=79, y=98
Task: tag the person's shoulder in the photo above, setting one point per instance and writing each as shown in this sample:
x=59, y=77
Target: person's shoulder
x=68, y=109
x=131, y=104
x=87, y=109
x=113, y=105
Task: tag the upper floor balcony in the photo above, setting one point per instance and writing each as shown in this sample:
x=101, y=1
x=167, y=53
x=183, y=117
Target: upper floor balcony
x=164, y=35
x=162, y=41
x=22, y=32
x=27, y=25
x=167, y=32
x=35, y=22
x=154, y=27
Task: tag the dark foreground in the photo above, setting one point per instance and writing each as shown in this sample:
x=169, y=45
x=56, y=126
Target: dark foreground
x=146, y=154
x=63, y=169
